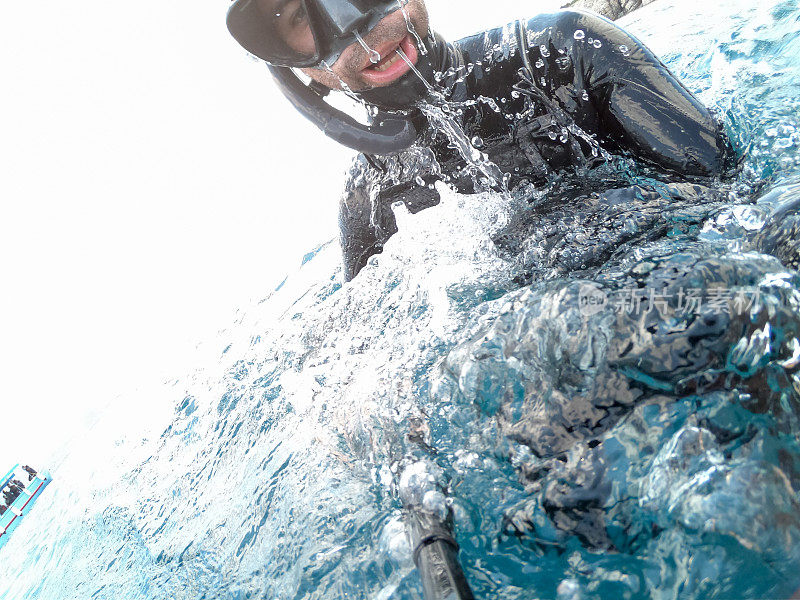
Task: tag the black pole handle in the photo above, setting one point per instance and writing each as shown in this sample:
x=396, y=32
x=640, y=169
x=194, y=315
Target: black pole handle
x=436, y=557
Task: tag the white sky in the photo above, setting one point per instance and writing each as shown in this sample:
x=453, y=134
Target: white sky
x=152, y=180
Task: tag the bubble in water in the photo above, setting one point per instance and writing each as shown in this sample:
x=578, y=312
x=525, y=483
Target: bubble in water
x=415, y=482
x=544, y=51
x=539, y=63
x=435, y=503
x=393, y=541
x=624, y=49
x=569, y=589
x=597, y=44
x=477, y=141
x=579, y=34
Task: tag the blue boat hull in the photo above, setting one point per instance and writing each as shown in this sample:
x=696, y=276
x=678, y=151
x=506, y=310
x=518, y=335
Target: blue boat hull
x=23, y=503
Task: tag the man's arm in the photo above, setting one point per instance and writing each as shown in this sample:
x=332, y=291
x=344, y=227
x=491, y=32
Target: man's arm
x=641, y=106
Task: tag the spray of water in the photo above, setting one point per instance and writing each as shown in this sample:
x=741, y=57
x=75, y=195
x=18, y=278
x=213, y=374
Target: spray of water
x=489, y=174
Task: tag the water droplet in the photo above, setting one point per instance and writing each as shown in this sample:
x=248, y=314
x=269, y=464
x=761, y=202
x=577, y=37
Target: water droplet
x=374, y=56
x=477, y=141
x=597, y=44
x=624, y=49
x=563, y=63
x=539, y=63
x=552, y=135
x=544, y=51
x=420, y=181
x=410, y=26
x=543, y=81
x=585, y=96
x=579, y=34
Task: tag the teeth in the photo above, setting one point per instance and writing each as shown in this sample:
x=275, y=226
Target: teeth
x=387, y=64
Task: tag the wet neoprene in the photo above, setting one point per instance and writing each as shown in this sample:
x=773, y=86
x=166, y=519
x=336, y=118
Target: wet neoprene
x=579, y=76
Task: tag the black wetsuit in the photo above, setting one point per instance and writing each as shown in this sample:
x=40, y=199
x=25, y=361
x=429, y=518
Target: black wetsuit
x=585, y=82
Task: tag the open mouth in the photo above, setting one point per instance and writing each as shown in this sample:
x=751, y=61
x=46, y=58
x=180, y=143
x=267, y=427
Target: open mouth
x=391, y=66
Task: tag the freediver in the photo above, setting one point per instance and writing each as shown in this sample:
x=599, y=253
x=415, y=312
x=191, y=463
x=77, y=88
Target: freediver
x=558, y=93
x=581, y=88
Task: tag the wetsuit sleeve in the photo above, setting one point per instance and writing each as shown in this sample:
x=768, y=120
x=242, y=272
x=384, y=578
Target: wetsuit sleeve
x=358, y=238
x=641, y=106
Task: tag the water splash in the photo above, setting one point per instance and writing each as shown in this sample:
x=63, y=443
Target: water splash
x=488, y=174
x=411, y=29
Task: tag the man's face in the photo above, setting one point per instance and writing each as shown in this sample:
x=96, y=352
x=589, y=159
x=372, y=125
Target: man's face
x=354, y=66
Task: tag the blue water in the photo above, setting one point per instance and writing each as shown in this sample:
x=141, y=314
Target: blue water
x=598, y=436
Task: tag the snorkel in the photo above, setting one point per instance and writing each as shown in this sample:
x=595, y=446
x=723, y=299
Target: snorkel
x=332, y=26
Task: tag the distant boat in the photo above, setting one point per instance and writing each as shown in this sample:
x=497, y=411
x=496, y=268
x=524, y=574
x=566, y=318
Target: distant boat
x=22, y=486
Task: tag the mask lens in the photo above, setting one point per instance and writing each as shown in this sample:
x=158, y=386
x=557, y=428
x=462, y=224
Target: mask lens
x=277, y=31
x=288, y=21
